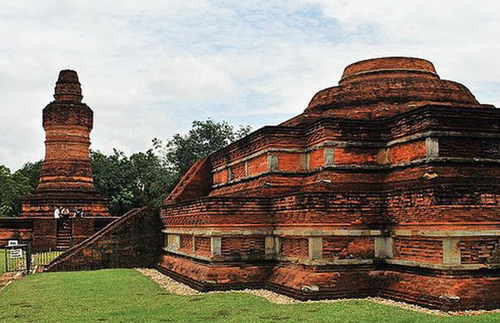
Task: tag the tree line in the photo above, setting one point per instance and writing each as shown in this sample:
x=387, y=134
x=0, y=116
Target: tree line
x=130, y=181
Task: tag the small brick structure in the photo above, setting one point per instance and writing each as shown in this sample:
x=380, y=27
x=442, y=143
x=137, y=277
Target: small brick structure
x=66, y=176
x=387, y=184
x=133, y=240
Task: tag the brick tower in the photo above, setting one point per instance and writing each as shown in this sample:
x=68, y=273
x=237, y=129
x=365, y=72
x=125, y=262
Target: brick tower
x=66, y=176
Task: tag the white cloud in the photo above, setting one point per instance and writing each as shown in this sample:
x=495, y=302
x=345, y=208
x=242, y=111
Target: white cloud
x=149, y=68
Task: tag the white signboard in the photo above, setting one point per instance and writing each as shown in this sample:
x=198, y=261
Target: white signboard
x=12, y=243
x=16, y=253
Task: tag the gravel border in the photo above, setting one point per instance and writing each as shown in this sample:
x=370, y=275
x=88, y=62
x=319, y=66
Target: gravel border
x=175, y=287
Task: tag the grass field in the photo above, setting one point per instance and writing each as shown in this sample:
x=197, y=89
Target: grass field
x=124, y=295
x=2, y=261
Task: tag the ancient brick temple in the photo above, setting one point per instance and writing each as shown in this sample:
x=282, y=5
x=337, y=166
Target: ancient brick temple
x=66, y=177
x=387, y=184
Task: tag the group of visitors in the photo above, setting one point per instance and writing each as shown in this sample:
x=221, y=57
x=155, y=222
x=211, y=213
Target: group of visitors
x=62, y=214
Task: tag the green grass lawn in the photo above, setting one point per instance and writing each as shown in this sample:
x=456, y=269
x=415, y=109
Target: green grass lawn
x=124, y=295
x=2, y=261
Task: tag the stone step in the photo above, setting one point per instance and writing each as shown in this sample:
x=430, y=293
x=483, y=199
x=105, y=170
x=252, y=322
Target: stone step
x=62, y=242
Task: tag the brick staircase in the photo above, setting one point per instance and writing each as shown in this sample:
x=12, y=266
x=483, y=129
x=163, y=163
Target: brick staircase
x=64, y=236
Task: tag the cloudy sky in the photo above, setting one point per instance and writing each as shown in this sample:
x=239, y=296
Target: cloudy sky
x=149, y=68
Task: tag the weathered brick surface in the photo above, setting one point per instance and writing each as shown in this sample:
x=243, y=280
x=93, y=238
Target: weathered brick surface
x=195, y=183
x=311, y=283
x=477, y=251
x=242, y=247
x=448, y=292
x=208, y=277
x=348, y=248
x=238, y=171
x=356, y=156
x=386, y=184
x=15, y=228
x=186, y=243
x=407, y=152
x=295, y=247
x=203, y=246
x=257, y=165
x=422, y=250
x=217, y=211
x=132, y=240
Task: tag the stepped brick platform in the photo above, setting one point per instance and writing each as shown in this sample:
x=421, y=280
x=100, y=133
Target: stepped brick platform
x=387, y=184
x=66, y=176
x=130, y=241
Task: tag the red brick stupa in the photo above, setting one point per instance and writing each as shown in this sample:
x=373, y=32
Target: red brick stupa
x=66, y=176
x=387, y=184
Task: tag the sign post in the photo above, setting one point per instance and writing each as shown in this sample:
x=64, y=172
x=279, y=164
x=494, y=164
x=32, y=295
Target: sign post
x=17, y=256
x=16, y=253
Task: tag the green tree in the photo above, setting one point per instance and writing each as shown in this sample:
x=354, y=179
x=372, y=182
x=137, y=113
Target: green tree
x=13, y=187
x=32, y=172
x=204, y=138
x=130, y=182
x=111, y=176
x=153, y=181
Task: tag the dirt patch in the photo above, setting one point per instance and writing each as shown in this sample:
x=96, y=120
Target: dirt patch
x=8, y=278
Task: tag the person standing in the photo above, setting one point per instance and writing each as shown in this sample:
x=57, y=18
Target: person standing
x=65, y=215
x=79, y=213
x=57, y=215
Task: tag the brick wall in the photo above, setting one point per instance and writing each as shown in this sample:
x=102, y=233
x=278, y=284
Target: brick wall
x=356, y=156
x=217, y=211
x=242, y=247
x=443, y=291
x=15, y=228
x=418, y=249
x=469, y=147
x=477, y=250
x=408, y=152
x=133, y=240
x=316, y=158
x=238, y=171
x=340, y=207
x=348, y=248
x=186, y=243
x=295, y=247
x=203, y=246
